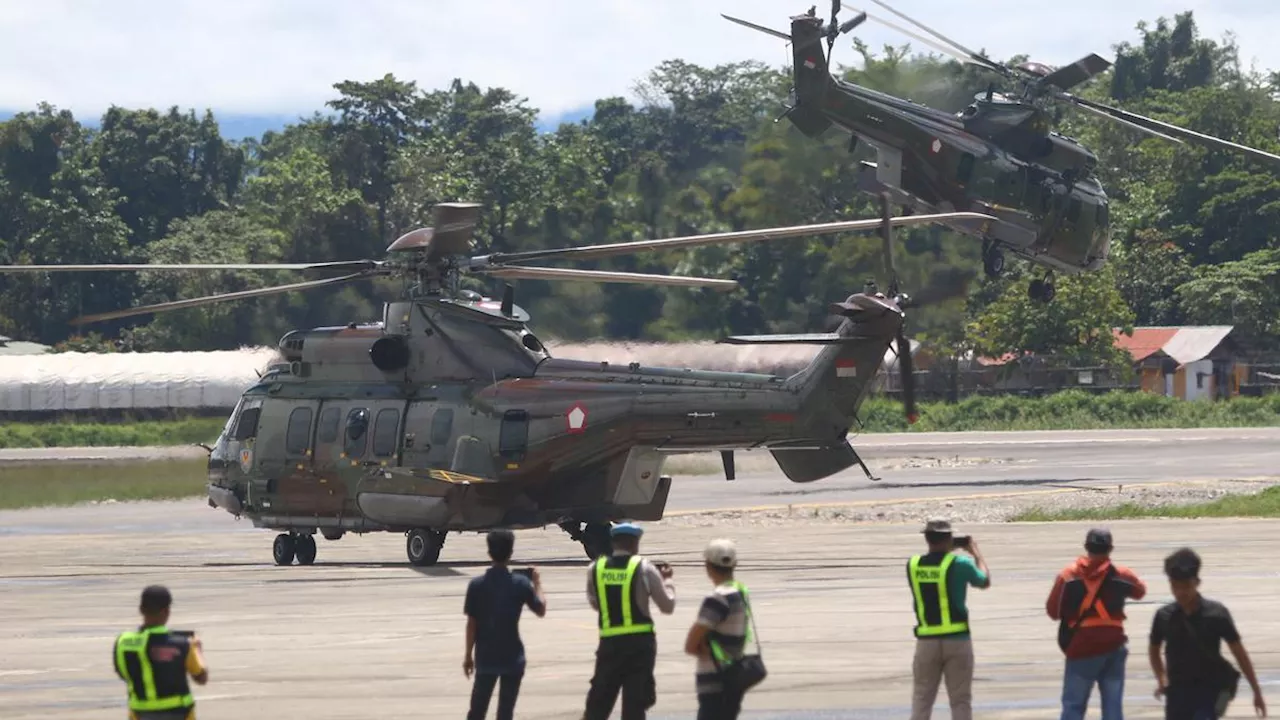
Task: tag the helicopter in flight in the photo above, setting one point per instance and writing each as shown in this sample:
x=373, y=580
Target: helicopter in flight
x=450, y=415
x=997, y=156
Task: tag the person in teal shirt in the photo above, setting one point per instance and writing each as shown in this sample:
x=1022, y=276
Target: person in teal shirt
x=939, y=581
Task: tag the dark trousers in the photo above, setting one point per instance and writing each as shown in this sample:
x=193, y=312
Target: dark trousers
x=623, y=663
x=723, y=705
x=1190, y=702
x=508, y=690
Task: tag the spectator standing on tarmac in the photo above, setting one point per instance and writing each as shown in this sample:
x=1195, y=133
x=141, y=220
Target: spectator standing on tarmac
x=720, y=634
x=1198, y=682
x=495, y=652
x=939, y=580
x=1088, y=601
x=619, y=588
x=154, y=663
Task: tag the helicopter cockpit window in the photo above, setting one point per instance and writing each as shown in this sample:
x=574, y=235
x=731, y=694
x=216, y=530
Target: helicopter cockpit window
x=1073, y=211
x=384, y=432
x=357, y=435
x=514, y=436
x=330, y=419
x=297, y=437
x=965, y=171
x=441, y=426
x=247, y=426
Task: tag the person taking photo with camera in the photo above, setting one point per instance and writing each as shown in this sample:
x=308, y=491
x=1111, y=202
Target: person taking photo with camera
x=939, y=580
x=495, y=652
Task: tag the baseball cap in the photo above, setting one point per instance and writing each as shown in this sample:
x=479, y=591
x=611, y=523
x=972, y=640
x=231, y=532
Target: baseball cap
x=1098, y=538
x=722, y=553
x=629, y=529
x=938, y=526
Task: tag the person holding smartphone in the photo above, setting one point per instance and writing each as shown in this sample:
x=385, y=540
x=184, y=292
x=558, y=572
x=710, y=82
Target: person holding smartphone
x=495, y=652
x=938, y=581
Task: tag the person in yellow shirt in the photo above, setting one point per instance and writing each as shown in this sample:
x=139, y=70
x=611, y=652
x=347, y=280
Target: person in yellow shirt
x=154, y=663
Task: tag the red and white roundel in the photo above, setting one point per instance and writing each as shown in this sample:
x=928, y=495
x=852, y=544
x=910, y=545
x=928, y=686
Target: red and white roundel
x=936, y=146
x=576, y=418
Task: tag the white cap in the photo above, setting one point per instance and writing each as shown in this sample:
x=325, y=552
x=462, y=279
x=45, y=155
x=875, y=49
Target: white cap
x=721, y=553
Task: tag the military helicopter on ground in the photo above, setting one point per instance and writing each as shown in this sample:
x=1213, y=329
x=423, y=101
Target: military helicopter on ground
x=449, y=414
x=997, y=156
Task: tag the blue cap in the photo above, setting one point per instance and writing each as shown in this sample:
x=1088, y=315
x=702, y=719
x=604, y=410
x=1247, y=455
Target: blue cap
x=626, y=529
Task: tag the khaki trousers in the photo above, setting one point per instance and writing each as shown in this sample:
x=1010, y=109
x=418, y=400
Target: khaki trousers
x=935, y=659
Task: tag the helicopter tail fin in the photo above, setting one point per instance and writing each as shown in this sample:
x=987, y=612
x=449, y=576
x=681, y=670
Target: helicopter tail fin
x=833, y=386
x=812, y=75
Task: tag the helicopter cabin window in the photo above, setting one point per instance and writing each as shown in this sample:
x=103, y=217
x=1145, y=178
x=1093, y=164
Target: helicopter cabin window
x=247, y=426
x=384, y=432
x=330, y=420
x=965, y=171
x=514, y=436
x=297, y=438
x=441, y=426
x=357, y=434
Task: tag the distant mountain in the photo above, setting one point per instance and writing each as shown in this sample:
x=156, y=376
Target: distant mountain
x=238, y=126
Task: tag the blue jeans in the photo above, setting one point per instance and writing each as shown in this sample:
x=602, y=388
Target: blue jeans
x=1080, y=675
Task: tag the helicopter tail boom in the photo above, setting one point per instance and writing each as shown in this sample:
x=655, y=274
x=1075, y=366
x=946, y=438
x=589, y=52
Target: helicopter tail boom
x=812, y=76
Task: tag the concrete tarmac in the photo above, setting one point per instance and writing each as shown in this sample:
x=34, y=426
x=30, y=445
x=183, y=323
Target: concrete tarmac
x=360, y=634
x=355, y=636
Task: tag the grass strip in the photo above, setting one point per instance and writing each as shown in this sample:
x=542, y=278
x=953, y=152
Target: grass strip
x=1261, y=504
x=26, y=486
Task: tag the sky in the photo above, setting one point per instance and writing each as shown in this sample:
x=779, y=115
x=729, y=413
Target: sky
x=261, y=63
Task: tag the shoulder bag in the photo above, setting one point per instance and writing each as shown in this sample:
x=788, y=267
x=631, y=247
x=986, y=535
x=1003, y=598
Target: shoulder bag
x=1066, y=631
x=1223, y=675
x=747, y=671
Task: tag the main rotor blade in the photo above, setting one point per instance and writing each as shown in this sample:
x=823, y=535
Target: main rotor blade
x=1068, y=76
x=758, y=28
x=605, y=276
x=1176, y=130
x=981, y=59
x=947, y=50
x=1122, y=121
x=354, y=265
x=212, y=299
x=626, y=248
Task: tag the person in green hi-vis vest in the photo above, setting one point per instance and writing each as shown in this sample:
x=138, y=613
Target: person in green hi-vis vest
x=939, y=580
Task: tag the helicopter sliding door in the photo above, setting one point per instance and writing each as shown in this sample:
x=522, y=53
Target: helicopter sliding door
x=428, y=435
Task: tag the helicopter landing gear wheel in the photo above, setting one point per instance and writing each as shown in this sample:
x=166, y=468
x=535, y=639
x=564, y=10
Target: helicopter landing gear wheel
x=993, y=261
x=596, y=540
x=305, y=549
x=423, y=547
x=1042, y=290
x=283, y=549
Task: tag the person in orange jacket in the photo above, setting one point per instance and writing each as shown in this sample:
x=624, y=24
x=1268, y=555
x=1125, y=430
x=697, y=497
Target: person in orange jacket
x=1087, y=600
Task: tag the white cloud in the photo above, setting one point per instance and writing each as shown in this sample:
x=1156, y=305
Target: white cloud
x=283, y=56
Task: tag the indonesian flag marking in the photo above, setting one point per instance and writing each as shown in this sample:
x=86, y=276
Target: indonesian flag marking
x=846, y=368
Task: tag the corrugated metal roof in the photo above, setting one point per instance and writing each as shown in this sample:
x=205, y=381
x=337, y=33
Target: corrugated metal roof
x=1195, y=343
x=1145, y=341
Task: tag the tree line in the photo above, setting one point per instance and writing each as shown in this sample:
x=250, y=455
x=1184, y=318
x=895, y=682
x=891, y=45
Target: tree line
x=1195, y=237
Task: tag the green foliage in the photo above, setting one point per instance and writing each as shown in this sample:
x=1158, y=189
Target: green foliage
x=1261, y=504
x=1076, y=328
x=1194, y=237
x=136, y=434
x=1074, y=410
